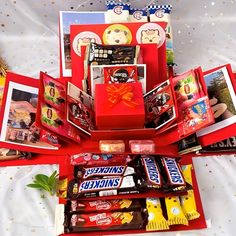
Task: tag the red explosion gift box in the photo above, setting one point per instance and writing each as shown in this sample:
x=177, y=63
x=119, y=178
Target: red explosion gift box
x=119, y=106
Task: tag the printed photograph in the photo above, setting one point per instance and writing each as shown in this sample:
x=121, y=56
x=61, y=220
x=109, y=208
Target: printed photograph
x=222, y=100
x=159, y=106
x=68, y=18
x=80, y=109
x=19, y=117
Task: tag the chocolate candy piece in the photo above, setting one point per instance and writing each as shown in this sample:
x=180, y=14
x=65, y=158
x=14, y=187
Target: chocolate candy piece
x=102, y=187
x=104, y=205
x=104, y=221
x=112, y=54
x=103, y=171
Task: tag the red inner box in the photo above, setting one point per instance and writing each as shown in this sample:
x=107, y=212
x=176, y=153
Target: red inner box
x=112, y=111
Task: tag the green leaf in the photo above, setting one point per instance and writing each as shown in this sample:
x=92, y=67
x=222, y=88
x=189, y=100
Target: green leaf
x=41, y=178
x=34, y=186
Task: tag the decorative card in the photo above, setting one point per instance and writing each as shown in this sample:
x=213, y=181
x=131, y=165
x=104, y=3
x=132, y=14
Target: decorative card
x=80, y=109
x=118, y=74
x=159, y=106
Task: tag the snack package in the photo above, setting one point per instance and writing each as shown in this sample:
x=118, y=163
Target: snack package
x=156, y=220
x=142, y=146
x=188, y=203
x=160, y=13
x=11, y=154
x=103, y=205
x=112, y=146
x=104, y=221
x=117, y=12
x=174, y=211
x=93, y=159
x=137, y=15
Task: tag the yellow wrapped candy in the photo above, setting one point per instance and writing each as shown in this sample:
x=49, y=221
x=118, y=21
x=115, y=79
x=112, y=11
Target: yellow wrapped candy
x=174, y=211
x=188, y=203
x=156, y=220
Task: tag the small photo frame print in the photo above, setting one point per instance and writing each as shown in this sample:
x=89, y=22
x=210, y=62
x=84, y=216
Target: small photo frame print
x=222, y=100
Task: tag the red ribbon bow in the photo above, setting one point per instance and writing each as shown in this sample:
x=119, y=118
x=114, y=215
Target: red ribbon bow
x=122, y=93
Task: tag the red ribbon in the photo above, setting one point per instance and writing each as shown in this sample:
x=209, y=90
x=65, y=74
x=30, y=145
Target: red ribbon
x=122, y=93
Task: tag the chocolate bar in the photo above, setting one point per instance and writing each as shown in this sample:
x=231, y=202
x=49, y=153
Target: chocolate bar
x=102, y=187
x=142, y=146
x=103, y=205
x=104, y=221
x=112, y=54
x=103, y=171
x=93, y=159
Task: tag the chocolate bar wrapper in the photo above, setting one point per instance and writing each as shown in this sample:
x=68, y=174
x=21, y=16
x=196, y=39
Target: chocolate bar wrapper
x=93, y=159
x=87, y=206
x=104, y=221
x=102, y=187
x=102, y=171
x=226, y=145
x=112, y=54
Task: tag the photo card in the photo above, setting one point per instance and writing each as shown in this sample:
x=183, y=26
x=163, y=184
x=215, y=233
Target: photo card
x=80, y=109
x=18, y=115
x=159, y=106
x=222, y=100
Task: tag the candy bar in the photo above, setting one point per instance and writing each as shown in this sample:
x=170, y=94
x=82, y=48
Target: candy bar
x=102, y=187
x=103, y=171
x=173, y=171
x=103, y=205
x=92, y=159
x=104, y=221
x=150, y=172
x=188, y=201
x=156, y=220
x=142, y=146
x=174, y=212
x=112, y=54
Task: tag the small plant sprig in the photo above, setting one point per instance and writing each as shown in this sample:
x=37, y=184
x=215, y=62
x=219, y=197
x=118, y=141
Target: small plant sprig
x=46, y=183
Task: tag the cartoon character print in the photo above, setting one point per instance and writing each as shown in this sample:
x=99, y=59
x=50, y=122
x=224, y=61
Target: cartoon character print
x=117, y=36
x=150, y=36
x=84, y=42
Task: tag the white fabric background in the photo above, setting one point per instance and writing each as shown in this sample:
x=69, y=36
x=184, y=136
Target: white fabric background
x=204, y=34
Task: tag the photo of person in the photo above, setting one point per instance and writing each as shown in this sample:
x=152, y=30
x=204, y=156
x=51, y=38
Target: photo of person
x=19, y=117
x=222, y=100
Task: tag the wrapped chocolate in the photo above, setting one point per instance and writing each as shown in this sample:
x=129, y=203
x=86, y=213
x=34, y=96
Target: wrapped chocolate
x=102, y=187
x=103, y=205
x=156, y=220
x=174, y=211
x=103, y=171
x=161, y=13
x=97, y=54
x=117, y=11
x=142, y=146
x=93, y=159
x=112, y=146
x=226, y=145
x=138, y=15
x=103, y=221
x=188, y=203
